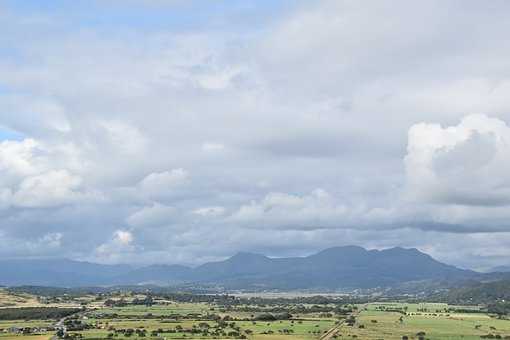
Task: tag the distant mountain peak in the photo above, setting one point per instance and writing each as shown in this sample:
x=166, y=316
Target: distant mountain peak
x=330, y=269
x=499, y=269
x=247, y=257
x=340, y=251
x=344, y=248
x=402, y=250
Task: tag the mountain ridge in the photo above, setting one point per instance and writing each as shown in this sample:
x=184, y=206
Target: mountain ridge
x=499, y=269
x=329, y=269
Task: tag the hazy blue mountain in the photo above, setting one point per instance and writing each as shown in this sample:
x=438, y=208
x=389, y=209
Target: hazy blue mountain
x=333, y=268
x=339, y=267
x=58, y=272
x=239, y=265
x=158, y=274
x=500, y=269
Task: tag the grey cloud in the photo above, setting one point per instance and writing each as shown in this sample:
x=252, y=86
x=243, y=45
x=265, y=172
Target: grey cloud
x=186, y=138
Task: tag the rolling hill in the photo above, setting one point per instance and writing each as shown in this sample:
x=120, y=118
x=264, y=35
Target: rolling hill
x=480, y=292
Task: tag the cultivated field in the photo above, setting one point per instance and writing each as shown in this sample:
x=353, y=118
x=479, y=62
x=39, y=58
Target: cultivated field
x=426, y=321
x=127, y=315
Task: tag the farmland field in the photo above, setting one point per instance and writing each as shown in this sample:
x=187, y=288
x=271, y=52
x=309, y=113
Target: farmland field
x=128, y=315
x=436, y=322
x=25, y=337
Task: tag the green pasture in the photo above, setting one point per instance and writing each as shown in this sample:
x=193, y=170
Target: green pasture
x=299, y=328
x=25, y=323
x=158, y=310
x=453, y=326
x=25, y=337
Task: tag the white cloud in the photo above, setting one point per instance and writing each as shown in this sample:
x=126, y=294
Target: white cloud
x=31, y=176
x=124, y=137
x=52, y=188
x=123, y=237
x=116, y=248
x=53, y=240
x=20, y=158
x=159, y=184
x=467, y=164
x=154, y=215
x=50, y=244
x=285, y=211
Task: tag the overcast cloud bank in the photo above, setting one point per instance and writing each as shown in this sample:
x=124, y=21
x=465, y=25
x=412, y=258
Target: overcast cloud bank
x=332, y=123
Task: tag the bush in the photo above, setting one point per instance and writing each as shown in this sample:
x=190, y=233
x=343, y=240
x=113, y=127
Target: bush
x=265, y=317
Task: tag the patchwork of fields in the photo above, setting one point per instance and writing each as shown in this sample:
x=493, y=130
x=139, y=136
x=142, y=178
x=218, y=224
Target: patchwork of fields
x=426, y=321
x=167, y=319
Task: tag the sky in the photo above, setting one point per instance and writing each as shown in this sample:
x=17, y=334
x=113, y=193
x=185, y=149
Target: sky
x=173, y=131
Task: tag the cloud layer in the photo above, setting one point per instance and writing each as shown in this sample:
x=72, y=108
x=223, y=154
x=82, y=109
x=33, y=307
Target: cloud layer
x=181, y=140
x=466, y=164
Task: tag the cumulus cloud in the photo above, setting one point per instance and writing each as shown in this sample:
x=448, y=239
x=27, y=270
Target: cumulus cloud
x=52, y=240
x=161, y=184
x=466, y=164
x=20, y=158
x=119, y=245
x=47, y=189
x=123, y=237
x=50, y=244
x=285, y=211
x=154, y=215
x=31, y=177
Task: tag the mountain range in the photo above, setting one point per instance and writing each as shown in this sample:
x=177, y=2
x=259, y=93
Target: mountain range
x=500, y=269
x=347, y=267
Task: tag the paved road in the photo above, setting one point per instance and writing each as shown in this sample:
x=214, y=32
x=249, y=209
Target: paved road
x=60, y=324
x=333, y=330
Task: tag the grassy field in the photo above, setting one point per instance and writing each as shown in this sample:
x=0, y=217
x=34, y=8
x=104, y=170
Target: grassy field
x=259, y=330
x=24, y=323
x=372, y=323
x=179, y=320
x=304, y=328
x=172, y=308
x=25, y=337
x=10, y=300
x=16, y=300
x=375, y=321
